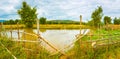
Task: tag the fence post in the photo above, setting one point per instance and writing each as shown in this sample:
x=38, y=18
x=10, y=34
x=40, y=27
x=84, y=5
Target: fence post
x=11, y=31
x=80, y=24
x=80, y=33
x=37, y=26
x=24, y=35
x=18, y=31
x=24, y=39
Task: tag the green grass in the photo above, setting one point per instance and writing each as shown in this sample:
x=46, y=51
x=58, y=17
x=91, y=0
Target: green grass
x=17, y=50
x=84, y=50
x=49, y=26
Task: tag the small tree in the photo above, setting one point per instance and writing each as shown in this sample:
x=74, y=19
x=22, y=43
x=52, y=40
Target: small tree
x=116, y=21
x=107, y=20
x=97, y=16
x=42, y=20
x=28, y=15
x=90, y=23
x=11, y=21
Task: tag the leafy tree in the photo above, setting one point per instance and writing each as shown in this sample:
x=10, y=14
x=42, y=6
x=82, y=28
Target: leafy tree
x=27, y=14
x=16, y=21
x=116, y=21
x=11, y=21
x=42, y=20
x=97, y=16
x=107, y=20
x=90, y=23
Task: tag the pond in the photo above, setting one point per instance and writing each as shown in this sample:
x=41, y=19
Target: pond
x=59, y=38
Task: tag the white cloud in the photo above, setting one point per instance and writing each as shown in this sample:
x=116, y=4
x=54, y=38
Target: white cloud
x=8, y=5
x=63, y=9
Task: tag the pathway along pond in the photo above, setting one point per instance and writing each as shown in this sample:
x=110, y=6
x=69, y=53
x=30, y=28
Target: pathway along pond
x=58, y=38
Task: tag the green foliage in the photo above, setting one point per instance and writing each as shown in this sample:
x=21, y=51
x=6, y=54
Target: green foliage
x=97, y=16
x=27, y=14
x=116, y=21
x=83, y=50
x=11, y=22
x=17, y=49
x=42, y=20
x=107, y=20
x=64, y=22
x=90, y=23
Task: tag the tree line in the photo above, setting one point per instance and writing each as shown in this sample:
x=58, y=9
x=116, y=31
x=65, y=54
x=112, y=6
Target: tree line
x=97, y=16
x=42, y=20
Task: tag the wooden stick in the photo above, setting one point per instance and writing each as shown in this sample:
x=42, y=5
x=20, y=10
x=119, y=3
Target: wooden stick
x=11, y=32
x=104, y=44
x=18, y=31
x=103, y=39
x=8, y=51
x=27, y=33
x=70, y=44
x=25, y=41
x=51, y=45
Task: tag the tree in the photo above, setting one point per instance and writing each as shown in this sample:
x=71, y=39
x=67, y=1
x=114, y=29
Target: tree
x=90, y=23
x=28, y=15
x=116, y=21
x=107, y=20
x=42, y=20
x=97, y=16
x=16, y=21
x=11, y=21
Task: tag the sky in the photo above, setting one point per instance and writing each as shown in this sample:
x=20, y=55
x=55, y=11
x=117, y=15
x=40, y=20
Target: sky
x=61, y=9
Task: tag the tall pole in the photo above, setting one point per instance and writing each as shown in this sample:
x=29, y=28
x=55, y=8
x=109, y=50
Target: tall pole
x=38, y=26
x=11, y=31
x=18, y=31
x=80, y=23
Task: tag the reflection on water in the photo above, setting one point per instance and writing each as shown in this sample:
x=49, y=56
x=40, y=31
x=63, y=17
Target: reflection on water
x=27, y=36
x=14, y=34
x=59, y=38
x=43, y=30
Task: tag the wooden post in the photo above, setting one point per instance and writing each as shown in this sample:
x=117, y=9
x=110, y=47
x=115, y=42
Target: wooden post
x=24, y=39
x=0, y=29
x=80, y=32
x=37, y=26
x=80, y=23
x=18, y=31
x=24, y=35
x=2, y=25
x=11, y=31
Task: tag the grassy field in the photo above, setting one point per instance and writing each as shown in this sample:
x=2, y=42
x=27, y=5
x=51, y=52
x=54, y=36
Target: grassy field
x=20, y=52
x=50, y=26
x=62, y=26
x=84, y=50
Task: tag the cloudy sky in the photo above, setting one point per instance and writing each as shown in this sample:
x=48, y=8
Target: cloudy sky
x=61, y=9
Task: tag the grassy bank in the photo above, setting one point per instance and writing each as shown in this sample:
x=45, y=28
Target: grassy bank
x=20, y=52
x=50, y=26
x=62, y=26
x=84, y=50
